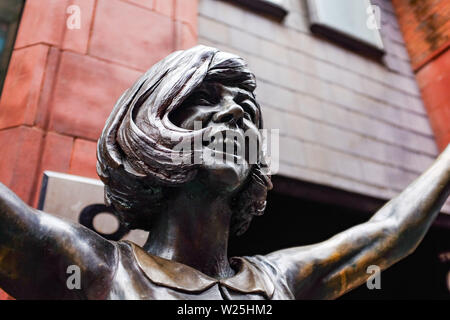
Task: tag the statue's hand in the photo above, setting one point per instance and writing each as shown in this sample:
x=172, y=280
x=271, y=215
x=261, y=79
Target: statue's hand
x=446, y=156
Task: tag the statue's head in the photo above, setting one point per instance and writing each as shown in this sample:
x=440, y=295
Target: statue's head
x=170, y=129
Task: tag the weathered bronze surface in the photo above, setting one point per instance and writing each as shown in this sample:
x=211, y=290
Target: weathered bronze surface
x=192, y=209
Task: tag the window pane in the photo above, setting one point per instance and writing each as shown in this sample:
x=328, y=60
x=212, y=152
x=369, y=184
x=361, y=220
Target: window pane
x=3, y=34
x=10, y=11
x=277, y=2
x=353, y=19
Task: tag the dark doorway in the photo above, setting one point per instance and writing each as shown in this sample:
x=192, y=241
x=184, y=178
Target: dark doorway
x=292, y=221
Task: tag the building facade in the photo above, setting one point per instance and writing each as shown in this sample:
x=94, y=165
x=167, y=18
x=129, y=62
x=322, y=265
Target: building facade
x=357, y=123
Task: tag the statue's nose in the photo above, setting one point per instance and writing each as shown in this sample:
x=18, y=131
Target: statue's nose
x=232, y=113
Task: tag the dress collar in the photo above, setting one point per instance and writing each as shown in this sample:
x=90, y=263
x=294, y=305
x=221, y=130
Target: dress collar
x=248, y=278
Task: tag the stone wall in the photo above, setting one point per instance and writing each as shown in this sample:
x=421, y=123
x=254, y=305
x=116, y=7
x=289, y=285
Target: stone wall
x=426, y=26
x=62, y=83
x=345, y=120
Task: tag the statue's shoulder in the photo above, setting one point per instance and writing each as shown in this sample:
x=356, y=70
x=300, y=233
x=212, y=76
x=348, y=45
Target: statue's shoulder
x=263, y=264
x=269, y=273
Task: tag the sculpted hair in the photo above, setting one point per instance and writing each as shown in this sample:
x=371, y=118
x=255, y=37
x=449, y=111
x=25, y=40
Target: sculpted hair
x=136, y=148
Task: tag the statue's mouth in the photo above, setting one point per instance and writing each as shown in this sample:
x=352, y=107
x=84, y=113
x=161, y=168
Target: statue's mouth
x=227, y=142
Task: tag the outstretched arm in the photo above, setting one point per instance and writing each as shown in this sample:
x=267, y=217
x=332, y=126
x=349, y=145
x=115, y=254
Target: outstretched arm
x=37, y=248
x=329, y=269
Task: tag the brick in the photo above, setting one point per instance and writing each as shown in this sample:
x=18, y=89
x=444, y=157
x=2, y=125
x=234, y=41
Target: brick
x=342, y=96
x=415, y=104
x=274, y=96
x=260, y=25
x=165, y=7
x=297, y=21
x=213, y=30
x=267, y=49
x=241, y=39
x=57, y=152
x=311, y=84
x=385, y=5
x=55, y=157
x=43, y=21
x=85, y=94
x=443, y=141
x=437, y=93
x=187, y=11
x=404, y=83
x=425, y=27
x=293, y=171
x=302, y=62
x=222, y=11
x=414, y=122
x=263, y=68
x=272, y=119
x=400, y=51
x=20, y=159
x=321, y=159
x=348, y=165
x=374, y=173
x=331, y=73
x=434, y=81
x=428, y=74
x=311, y=107
x=205, y=42
x=149, y=4
x=338, y=56
x=78, y=39
x=19, y=101
x=399, y=179
x=185, y=38
x=45, y=98
x=208, y=8
x=291, y=150
x=298, y=127
x=397, y=65
x=130, y=35
x=295, y=6
x=84, y=159
x=440, y=119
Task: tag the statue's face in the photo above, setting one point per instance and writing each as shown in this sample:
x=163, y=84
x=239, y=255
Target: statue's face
x=230, y=114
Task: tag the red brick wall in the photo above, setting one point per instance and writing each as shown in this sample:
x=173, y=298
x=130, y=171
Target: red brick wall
x=425, y=25
x=62, y=83
x=434, y=83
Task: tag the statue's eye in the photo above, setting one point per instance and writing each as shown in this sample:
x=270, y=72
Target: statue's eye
x=204, y=98
x=203, y=101
x=249, y=109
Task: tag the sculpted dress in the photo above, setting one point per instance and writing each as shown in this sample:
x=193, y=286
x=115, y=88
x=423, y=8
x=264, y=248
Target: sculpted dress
x=139, y=275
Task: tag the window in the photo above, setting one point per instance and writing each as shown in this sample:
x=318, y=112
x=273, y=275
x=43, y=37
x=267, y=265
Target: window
x=274, y=8
x=353, y=23
x=10, y=11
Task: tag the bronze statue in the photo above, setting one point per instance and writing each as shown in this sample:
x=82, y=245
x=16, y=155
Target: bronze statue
x=193, y=208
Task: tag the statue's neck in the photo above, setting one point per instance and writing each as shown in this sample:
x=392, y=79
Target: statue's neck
x=194, y=231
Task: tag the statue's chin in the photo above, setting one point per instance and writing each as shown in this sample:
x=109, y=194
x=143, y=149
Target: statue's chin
x=226, y=176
